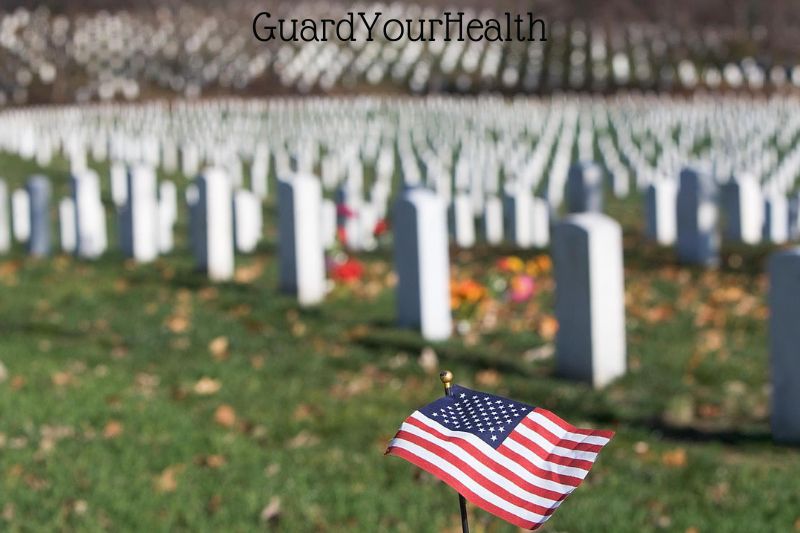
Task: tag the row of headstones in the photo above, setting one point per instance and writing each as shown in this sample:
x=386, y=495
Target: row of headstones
x=222, y=219
x=686, y=214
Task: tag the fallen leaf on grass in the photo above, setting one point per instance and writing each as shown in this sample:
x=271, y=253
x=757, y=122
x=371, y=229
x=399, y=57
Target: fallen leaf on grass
x=248, y=273
x=272, y=512
x=219, y=348
x=177, y=323
x=113, y=429
x=206, y=387
x=212, y=461
x=303, y=439
x=487, y=378
x=80, y=507
x=61, y=379
x=225, y=416
x=675, y=458
x=167, y=481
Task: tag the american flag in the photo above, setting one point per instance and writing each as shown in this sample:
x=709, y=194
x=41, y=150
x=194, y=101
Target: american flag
x=511, y=459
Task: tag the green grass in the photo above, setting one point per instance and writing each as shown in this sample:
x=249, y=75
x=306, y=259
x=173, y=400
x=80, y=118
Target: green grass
x=101, y=427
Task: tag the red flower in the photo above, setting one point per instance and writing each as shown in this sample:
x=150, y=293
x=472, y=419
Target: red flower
x=348, y=271
x=341, y=234
x=381, y=227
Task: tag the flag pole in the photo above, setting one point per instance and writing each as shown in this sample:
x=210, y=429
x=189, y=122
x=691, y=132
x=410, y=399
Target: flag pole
x=447, y=380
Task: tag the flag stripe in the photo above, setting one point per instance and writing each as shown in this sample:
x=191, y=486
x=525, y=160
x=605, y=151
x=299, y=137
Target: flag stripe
x=476, y=470
x=536, y=465
x=560, y=437
x=465, y=486
x=552, y=451
x=499, y=488
x=578, y=434
x=508, y=469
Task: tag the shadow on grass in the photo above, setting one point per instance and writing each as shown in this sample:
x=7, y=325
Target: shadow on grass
x=695, y=434
x=39, y=329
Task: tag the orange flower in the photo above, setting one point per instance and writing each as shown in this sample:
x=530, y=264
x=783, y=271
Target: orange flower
x=544, y=263
x=466, y=290
x=472, y=291
x=510, y=264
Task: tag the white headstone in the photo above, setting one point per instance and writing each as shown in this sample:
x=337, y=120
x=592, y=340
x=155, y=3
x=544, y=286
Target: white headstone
x=302, y=261
x=661, y=212
x=518, y=218
x=422, y=264
x=776, y=219
x=540, y=222
x=21, y=215
x=462, y=221
x=743, y=204
x=68, y=231
x=493, y=220
x=90, y=217
x=215, y=224
x=139, y=216
x=247, y=220
x=5, y=219
x=119, y=183
x=167, y=215
x=590, y=298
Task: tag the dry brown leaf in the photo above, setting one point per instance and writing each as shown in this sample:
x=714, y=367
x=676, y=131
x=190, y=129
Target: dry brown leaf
x=248, y=273
x=676, y=458
x=167, y=481
x=61, y=379
x=487, y=378
x=225, y=416
x=177, y=323
x=214, y=461
x=113, y=429
x=207, y=386
x=303, y=439
x=219, y=347
x=272, y=512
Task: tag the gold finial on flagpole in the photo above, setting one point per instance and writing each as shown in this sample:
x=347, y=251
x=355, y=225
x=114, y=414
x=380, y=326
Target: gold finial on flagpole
x=447, y=379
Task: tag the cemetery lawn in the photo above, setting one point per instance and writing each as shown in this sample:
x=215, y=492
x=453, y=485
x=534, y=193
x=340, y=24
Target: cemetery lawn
x=145, y=398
